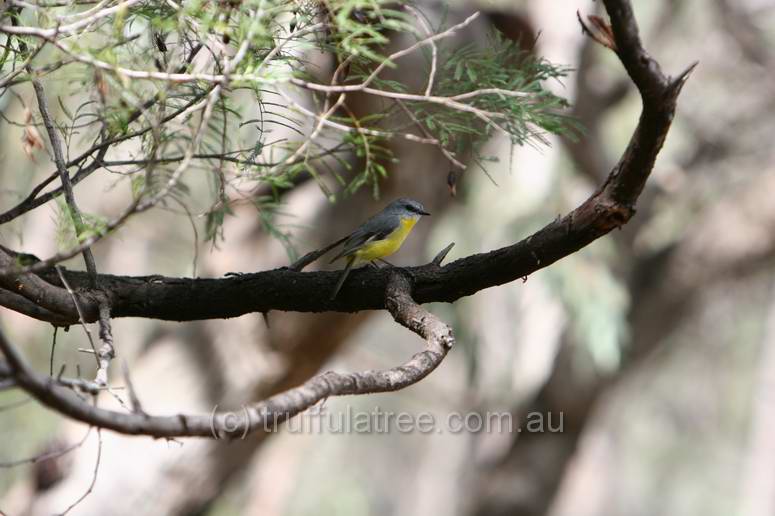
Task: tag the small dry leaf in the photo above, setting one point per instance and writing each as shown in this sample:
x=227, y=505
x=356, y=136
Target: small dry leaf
x=102, y=86
x=452, y=182
x=601, y=32
x=605, y=31
x=31, y=138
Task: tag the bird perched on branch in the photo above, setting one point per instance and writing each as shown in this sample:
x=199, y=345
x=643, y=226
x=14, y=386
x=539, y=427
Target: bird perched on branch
x=380, y=236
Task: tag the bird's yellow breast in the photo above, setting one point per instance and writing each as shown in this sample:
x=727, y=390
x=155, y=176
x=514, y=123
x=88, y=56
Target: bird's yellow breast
x=389, y=245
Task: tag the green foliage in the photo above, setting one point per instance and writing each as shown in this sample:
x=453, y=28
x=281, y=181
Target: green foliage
x=69, y=233
x=361, y=26
x=374, y=153
x=252, y=134
x=267, y=209
x=93, y=225
x=214, y=222
x=501, y=65
x=65, y=229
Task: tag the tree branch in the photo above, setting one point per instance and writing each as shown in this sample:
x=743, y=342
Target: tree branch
x=64, y=176
x=21, y=304
x=262, y=416
x=37, y=290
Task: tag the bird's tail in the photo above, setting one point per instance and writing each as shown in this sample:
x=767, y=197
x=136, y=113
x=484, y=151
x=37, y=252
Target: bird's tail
x=343, y=276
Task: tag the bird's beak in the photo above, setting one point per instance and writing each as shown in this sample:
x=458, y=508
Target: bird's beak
x=425, y=213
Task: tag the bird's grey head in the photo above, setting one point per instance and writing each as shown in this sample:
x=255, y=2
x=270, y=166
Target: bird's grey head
x=404, y=205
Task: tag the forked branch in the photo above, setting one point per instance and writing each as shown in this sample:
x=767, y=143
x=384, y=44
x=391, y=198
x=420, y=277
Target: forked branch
x=262, y=416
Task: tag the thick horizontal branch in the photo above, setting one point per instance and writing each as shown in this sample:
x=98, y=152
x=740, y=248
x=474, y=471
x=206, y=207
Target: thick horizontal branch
x=184, y=299
x=262, y=416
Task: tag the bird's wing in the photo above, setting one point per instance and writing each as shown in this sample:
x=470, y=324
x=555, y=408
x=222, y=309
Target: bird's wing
x=372, y=229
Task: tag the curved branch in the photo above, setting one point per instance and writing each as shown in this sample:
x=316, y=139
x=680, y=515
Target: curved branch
x=35, y=289
x=64, y=175
x=262, y=416
x=21, y=304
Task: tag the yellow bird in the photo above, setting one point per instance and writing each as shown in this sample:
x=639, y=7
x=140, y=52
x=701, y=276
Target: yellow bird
x=380, y=236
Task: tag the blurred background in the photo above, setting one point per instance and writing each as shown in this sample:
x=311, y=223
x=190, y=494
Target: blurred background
x=652, y=349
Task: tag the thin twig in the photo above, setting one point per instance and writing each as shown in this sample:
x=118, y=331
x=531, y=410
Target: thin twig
x=67, y=29
x=81, y=318
x=64, y=176
x=447, y=154
x=107, y=351
x=427, y=41
x=134, y=399
x=53, y=348
x=47, y=456
x=434, y=50
x=94, y=474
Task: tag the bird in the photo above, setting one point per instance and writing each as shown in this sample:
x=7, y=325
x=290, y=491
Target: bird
x=379, y=237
